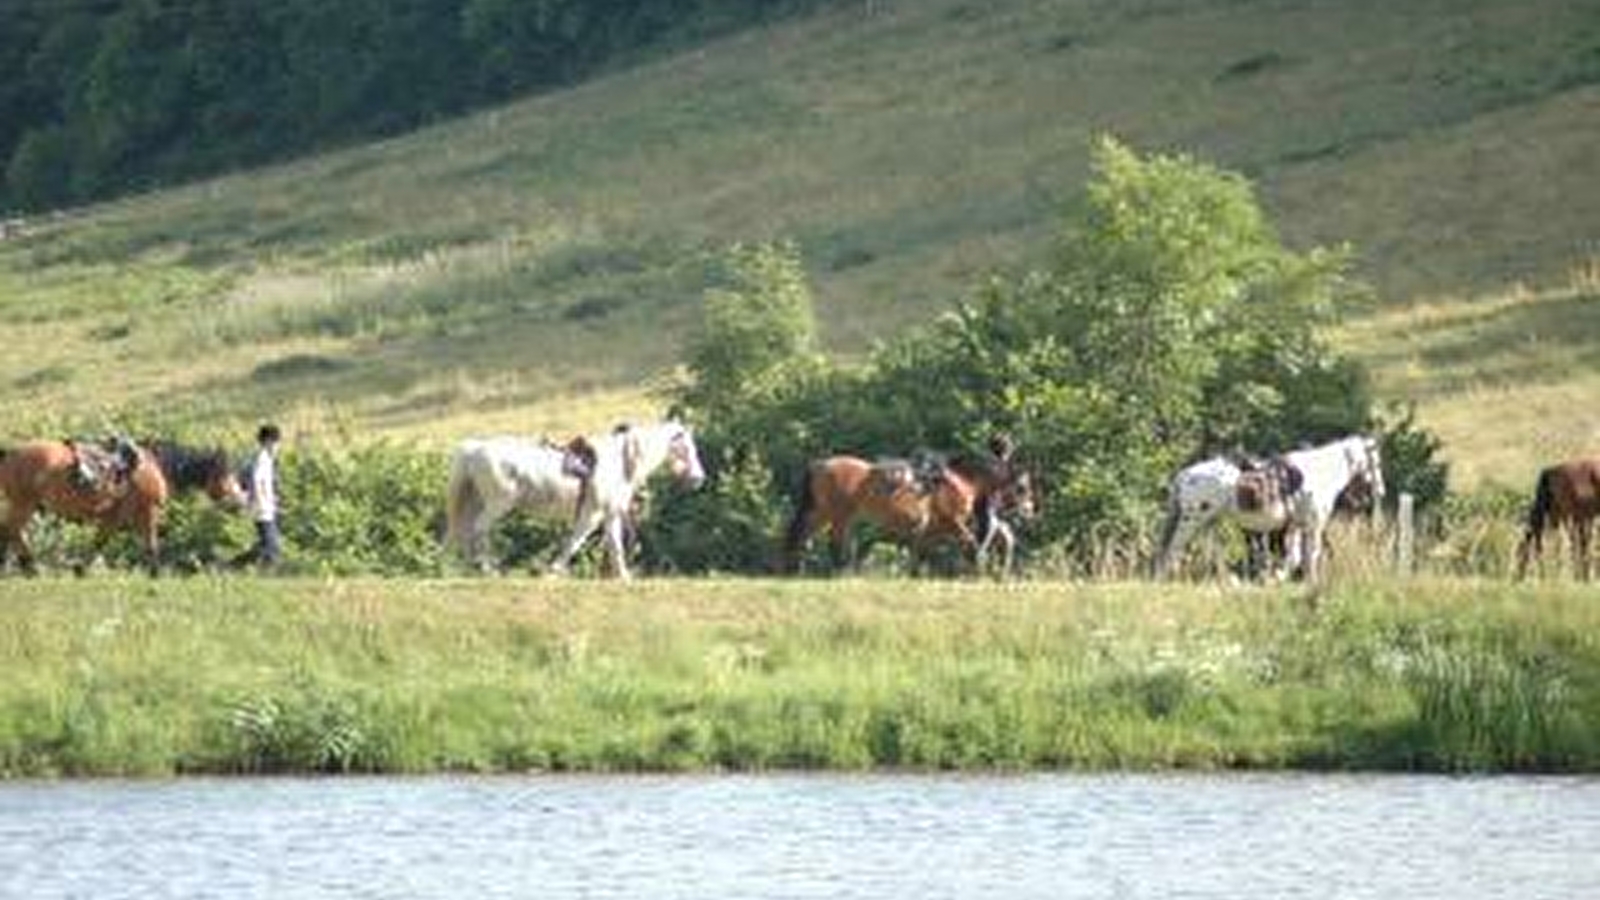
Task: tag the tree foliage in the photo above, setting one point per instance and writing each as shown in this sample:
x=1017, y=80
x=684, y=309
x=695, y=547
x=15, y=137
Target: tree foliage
x=101, y=98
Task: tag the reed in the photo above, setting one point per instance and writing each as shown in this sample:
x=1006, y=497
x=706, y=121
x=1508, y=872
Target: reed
x=234, y=675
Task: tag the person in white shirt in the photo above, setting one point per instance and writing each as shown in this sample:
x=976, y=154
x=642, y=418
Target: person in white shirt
x=263, y=491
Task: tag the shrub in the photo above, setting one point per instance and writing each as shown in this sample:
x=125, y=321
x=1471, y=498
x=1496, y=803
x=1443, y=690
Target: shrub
x=1168, y=324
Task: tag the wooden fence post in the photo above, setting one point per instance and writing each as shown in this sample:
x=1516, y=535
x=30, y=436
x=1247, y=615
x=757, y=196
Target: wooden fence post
x=1405, y=534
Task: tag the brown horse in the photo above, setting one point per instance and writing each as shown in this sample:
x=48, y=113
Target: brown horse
x=45, y=476
x=1566, y=495
x=964, y=500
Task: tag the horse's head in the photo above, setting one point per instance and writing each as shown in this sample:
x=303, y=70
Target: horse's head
x=1017, y=498
x=1254, y=491
x=1367, y=464
x=185, y=469
x=683, y=459
x=223, y=487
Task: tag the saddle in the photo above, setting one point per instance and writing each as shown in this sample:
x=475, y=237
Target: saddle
x=1264, y=484
x=102, y=465
x=923, y=473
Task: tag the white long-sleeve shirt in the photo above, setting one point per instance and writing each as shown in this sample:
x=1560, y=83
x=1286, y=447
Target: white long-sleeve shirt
x=264, y=487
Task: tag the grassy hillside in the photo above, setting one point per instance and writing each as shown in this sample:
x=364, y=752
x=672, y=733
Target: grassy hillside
x=1510, y=382
x=536, y=267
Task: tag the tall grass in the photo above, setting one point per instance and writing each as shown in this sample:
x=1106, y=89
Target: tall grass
x=117, y=677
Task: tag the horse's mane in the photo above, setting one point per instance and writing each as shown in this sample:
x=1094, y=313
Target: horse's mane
x=983, y=465
x=186, y=466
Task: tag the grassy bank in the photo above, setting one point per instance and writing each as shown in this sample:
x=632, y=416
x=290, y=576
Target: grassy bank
x=112, y=676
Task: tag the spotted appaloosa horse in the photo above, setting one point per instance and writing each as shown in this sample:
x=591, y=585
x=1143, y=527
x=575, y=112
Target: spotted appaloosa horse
x=1566, y=495
x=965, y=499
x=1297, y=497
x=490, y=477
x=43, y=476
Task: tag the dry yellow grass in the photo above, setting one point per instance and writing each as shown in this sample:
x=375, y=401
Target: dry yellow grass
x=1510, y=382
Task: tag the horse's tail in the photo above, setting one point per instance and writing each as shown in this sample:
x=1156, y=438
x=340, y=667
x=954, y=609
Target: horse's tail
x=461, y=504
x=1161, y=564
x=1544, y=498
x=1543, y=501
x=805, y=502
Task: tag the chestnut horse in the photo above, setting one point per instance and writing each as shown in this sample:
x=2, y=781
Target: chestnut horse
x=963, y=499
x=1566, y=495
x=43, y=476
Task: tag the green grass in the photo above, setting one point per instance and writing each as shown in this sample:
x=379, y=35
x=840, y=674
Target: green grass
x=131, y=677
x=538, y=266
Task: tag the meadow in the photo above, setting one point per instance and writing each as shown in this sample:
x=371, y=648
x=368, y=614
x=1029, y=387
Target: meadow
x=131, y=677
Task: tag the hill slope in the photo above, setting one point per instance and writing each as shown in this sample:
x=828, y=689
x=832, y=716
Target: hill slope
x=536, y=267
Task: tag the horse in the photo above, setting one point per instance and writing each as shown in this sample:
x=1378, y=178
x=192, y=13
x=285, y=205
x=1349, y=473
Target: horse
x=46, y=475
x=1295, y=494
x=1565, y=495
x=490, y=477
x=918, y=504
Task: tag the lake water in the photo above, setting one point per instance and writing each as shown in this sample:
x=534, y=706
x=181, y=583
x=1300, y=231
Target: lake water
x=745, y=837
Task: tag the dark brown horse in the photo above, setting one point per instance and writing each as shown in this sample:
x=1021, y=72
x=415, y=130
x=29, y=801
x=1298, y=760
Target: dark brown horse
x=1567, y=495
x=45, y=476
x=964, y=500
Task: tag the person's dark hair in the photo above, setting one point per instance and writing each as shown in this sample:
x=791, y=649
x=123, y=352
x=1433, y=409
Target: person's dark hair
x=268, y=432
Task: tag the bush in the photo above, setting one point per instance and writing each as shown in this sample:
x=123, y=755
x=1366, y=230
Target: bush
x=1169, y=324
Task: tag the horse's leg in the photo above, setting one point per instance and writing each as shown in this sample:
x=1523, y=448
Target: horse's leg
x=839, y=544
x=16, y=535
x=1008, y=543
x=802, y=525
x=480, y=525
x=473, y=529
x=970, y=552
x=616, y=543
x=1179, y=529
x=1580, y=546
x=148, y=521
x=1532, y=546
x=583, y=525
x=1255, y=551
x=992, y=526
x=1311, y=541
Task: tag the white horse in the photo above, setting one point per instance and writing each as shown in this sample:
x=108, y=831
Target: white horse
x=1211, y=489
x=490, y=477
